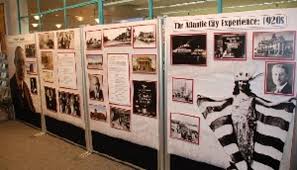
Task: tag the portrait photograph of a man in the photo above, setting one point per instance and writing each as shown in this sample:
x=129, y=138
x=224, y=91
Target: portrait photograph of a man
x=95, y=87
x=280, y=78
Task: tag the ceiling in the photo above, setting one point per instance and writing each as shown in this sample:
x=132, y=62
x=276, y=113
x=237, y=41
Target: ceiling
x=123, y=10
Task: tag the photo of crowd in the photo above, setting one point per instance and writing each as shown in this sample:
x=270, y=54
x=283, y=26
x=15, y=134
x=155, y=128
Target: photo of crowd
x=65, y=40
x=30, y=50
x=46, y=40
x=93, y=40
x=69, y=103
x=120, y=118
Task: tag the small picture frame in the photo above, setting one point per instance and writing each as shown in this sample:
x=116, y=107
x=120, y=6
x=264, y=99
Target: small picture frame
x=144, y=36
x=182, y=90
x=117, y=37
x=120, y=118
x=144, y=63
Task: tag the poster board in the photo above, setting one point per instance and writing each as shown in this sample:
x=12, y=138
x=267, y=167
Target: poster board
x=221, y=67
x=59, y=54
x=122, y=64
x=28, y=44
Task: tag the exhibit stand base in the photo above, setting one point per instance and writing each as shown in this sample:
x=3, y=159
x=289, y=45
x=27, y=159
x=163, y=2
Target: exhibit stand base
x=33, y=119
x=65, y=130
x=177, y=163
x=138, y=155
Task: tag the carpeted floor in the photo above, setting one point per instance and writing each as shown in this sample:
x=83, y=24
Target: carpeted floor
x=21, y=150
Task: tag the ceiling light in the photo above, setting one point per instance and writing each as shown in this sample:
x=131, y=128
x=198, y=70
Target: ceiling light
x=97, y=20
x=117, y=2
x=34, y=25
x=58, y=25
x=36, y=17
x=79, y=18
x=176, y=5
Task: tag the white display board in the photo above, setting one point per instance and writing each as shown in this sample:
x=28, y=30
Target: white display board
x=59, y=54
x=222, y=104
x=28, y=43
x=122, y=81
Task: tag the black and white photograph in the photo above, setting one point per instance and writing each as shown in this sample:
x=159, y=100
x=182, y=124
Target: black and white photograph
x=144, y=36
x=93, y=40
x=33, y=85
x=120, y=118
x=69, y=103
x=98, y=112
x=95, y=61
x=46, y=40
x=145, y=98
x=182, y=90
x=280, y=78
x=95, y=87
x=47, y=60
x=274, y=45
x=189, y=49
x=31, y=67
x=50, y=98
x=185, y=127
x=30, y=50
x=230, y=46
x=144, y=63
x=117, y=37
x=65, y=40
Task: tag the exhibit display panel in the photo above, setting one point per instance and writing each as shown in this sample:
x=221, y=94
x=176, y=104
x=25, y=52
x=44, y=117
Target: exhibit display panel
x=26, y=97
x=231, y=89
x=122, y=72
x=59, y=54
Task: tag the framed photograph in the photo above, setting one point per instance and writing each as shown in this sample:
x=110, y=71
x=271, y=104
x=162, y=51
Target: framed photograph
x=182, y=90
x=31, y=67
x=47, y=62
x=145, y=98
x=33, y=85
x=94, y=40
x=95, y=87
x=280, y=78
x=50, y=98
x=144, y=36
x=120, y=118
x=185, y=127
x=189, y=49
x=48, y=76
x=46, y=40
x=65, y=40
x=98, y=112
x=230, y=46
x=95, y=61
x=66, y=70
x=274, y=45
x=69, y=104
x=30, y=50
x=117, y=37
x=144, y=63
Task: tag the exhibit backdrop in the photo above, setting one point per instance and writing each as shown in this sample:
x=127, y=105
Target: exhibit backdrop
x=59, y=54
x=230, y=88
x=28, y=44
x=122, y=81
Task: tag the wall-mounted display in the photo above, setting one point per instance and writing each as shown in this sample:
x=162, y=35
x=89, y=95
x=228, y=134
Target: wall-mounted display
x=94, y=61
x=65, y=40
x=69, y=103
x=31, y=67
x=120, y=118
x=185, y=127
x=30, y=50
x=95, y=87
x=50, y=98
x=117, y=37
x=93, y=40
x=145, y=98
x=67, y=70
x=182, y=90
x=98, y=112
x=144, y=36
x=48, y=76
x=189, y=49
x=230, y=46
x=144, y=63
x=46, y=40
x=274, y=45
x=33, y=85
x=118, y=79
x=280, y=78
x=47, y=62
